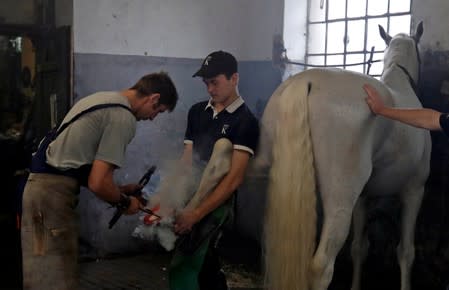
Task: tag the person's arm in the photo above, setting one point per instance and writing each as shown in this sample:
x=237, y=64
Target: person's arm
x=101, y=182
x=421, y=118
x=130, y=188
x=187, y=154
x=218, y=196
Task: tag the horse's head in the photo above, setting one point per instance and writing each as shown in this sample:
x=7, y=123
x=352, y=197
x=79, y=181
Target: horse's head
x=402, y=50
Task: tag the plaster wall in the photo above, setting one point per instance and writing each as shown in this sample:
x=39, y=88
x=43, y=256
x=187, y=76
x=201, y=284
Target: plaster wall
x=171, y=28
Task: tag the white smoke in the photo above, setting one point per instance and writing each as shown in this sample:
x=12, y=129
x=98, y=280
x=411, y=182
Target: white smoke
x=171, y=195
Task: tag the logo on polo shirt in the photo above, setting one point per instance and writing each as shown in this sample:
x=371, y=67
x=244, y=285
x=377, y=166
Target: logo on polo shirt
x=223, y=130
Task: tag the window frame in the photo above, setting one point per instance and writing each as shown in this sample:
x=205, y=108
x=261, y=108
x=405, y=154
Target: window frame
x=366, y=51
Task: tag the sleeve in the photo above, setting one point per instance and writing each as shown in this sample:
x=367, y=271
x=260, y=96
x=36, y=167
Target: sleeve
x=247, y=136
x=444, y=123
x=117, y=134
x=189, y=136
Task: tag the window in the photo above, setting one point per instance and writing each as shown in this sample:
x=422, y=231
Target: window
x=342, y=33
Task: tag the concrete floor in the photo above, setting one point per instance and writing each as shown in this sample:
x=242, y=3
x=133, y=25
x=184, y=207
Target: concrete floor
x=148, y=270
x=142, y=271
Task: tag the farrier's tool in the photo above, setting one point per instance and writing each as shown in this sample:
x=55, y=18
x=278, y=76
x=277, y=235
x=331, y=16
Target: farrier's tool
x=123, y=205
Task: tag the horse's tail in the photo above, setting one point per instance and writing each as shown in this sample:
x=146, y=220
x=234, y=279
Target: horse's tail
x=290, y=226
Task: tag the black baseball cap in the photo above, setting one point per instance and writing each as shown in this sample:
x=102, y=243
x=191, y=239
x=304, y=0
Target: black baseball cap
x=218, y=62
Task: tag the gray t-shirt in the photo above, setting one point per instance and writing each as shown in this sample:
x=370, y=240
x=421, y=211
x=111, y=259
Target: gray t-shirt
x=102, y=134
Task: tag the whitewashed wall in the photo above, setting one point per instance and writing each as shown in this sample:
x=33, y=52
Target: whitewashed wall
x=174, y=28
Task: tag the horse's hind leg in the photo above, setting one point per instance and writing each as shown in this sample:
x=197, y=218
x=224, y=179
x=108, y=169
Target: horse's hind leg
x=336, y=226
x=217, y=167
x=411, y=202
x=360, y=242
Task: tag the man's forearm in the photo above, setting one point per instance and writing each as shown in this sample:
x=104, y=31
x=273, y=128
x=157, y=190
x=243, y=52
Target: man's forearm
x=217, y=197
x=421, y=118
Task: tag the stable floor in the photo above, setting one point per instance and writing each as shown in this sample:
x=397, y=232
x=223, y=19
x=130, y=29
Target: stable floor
x=149, y=271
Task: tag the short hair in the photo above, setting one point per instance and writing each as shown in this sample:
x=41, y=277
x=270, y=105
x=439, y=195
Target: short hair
x=158, y=83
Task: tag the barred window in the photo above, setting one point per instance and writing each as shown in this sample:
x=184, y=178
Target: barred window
x=341, y=33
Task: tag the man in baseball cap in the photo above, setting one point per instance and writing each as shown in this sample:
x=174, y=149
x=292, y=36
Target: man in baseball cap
x=196, y=264
x=218, y=62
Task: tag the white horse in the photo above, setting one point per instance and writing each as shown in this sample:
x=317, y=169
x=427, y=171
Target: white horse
x=318, y=135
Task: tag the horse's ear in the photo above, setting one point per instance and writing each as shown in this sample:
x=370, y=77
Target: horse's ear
x=385, y=36
x=419, y=32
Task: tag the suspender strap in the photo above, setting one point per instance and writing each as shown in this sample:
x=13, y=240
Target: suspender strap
x=88, y=110
x=39, y=160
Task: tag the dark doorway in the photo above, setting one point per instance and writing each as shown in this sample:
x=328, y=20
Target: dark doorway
x=35, y=93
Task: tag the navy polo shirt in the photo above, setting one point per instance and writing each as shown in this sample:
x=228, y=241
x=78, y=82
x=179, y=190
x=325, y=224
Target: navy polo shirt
x=236, y=123
x=444, y=123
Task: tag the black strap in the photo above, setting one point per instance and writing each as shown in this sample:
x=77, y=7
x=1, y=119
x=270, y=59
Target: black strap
x=39, y=160
x=88, y=110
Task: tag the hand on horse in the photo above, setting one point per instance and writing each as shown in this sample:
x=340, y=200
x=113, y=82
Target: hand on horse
x=185, y=220
x=373, y=99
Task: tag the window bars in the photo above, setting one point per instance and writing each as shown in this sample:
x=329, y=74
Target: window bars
x=339, y=32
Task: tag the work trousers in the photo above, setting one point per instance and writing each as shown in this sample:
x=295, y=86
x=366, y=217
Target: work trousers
x=201, y=269
x=50, y=233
